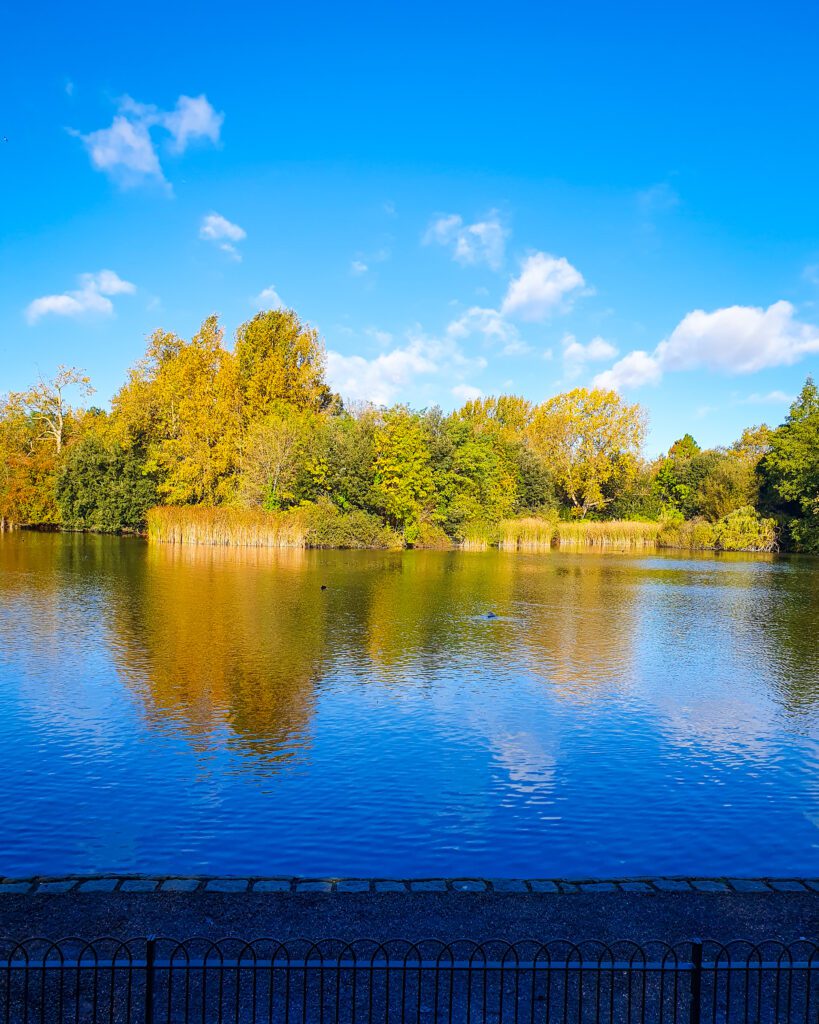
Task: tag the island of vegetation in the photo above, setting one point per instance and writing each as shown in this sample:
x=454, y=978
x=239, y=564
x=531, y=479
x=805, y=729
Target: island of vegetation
x=249, y=445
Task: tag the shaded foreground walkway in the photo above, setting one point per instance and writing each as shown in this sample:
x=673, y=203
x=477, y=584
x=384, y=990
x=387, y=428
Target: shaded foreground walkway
x=670, y=916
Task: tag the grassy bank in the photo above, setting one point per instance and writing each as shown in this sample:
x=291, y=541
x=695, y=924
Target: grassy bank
x=322, y=525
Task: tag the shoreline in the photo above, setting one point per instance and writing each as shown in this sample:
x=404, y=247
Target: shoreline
x=115, y=882
x=450, y=547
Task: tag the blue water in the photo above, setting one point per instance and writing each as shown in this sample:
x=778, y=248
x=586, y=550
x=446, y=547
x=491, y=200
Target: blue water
x=216, y=711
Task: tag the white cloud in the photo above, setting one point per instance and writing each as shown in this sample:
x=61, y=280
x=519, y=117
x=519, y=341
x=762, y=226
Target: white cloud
x=738, y=339
x=192, y=119
x=545, y=285
x=467, y=393
x=635, y=370
x=390, y=374
x=218, y=229
x=492, y=326
x=358, y=268
x=577, y=355
x=377, y=380
x=733, y=340
x=481, y=242
x=269, y=298
x=127, y=150
x=90, y=297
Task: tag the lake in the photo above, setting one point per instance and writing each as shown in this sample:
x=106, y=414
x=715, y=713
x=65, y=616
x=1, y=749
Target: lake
x=175, y=710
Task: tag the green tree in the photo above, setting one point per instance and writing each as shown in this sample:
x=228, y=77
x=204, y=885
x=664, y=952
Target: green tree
x=403, y=485
x=101, y=486
x=684, y=448
x=275, y=448
x=790, y=469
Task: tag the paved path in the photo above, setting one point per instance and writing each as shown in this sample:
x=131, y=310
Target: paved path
x=504, y=909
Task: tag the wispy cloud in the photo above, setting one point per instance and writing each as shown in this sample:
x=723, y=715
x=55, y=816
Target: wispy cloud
x=92, y=296
x=127, y=151
x=659, y=198
x=218, y=229
x=774, y=397
x=470, y=244
x=491, y=326
x=466, y=392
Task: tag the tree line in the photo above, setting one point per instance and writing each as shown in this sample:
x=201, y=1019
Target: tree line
x=256, y=426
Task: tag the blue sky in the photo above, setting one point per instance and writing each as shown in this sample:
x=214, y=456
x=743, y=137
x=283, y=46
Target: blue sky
x=463, y=198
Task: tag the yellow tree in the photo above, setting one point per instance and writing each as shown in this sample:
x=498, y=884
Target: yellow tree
x=280, y=359
x=509, y=412
x=590, y=440
x=182, y=401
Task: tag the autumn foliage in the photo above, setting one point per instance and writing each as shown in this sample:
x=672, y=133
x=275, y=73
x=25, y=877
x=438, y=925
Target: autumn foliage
x=246, y=443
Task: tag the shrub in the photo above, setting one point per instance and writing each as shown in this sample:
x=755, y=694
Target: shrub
x=691, y=534
x=326, y=526
x=432, y=537
x=744, y=530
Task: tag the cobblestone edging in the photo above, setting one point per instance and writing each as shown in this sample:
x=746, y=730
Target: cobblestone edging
x=283, y=884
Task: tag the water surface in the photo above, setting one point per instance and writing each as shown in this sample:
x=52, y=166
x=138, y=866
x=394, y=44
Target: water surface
x=216, y=711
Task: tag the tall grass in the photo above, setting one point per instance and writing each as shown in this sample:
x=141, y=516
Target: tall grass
x=478, y=536
x=620, y=534
x=319, y=525
x=529, y=533
x=253, y=528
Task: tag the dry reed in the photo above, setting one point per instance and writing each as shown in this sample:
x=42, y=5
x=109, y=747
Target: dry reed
x=529, y=533
x=193, y=524
x=619, y=534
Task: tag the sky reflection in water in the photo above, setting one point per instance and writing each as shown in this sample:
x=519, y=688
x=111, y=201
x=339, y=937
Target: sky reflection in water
x=200, y=710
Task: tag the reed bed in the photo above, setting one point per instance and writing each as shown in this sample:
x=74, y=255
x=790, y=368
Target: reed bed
x=529, y=533
x=217, y=527
x=478, y=537
x=318, y=525
x=618, y=534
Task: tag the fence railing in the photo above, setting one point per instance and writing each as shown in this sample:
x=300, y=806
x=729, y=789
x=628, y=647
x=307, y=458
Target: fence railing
x=167, y=981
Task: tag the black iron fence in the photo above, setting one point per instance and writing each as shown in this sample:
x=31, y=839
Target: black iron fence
x=165, y=981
